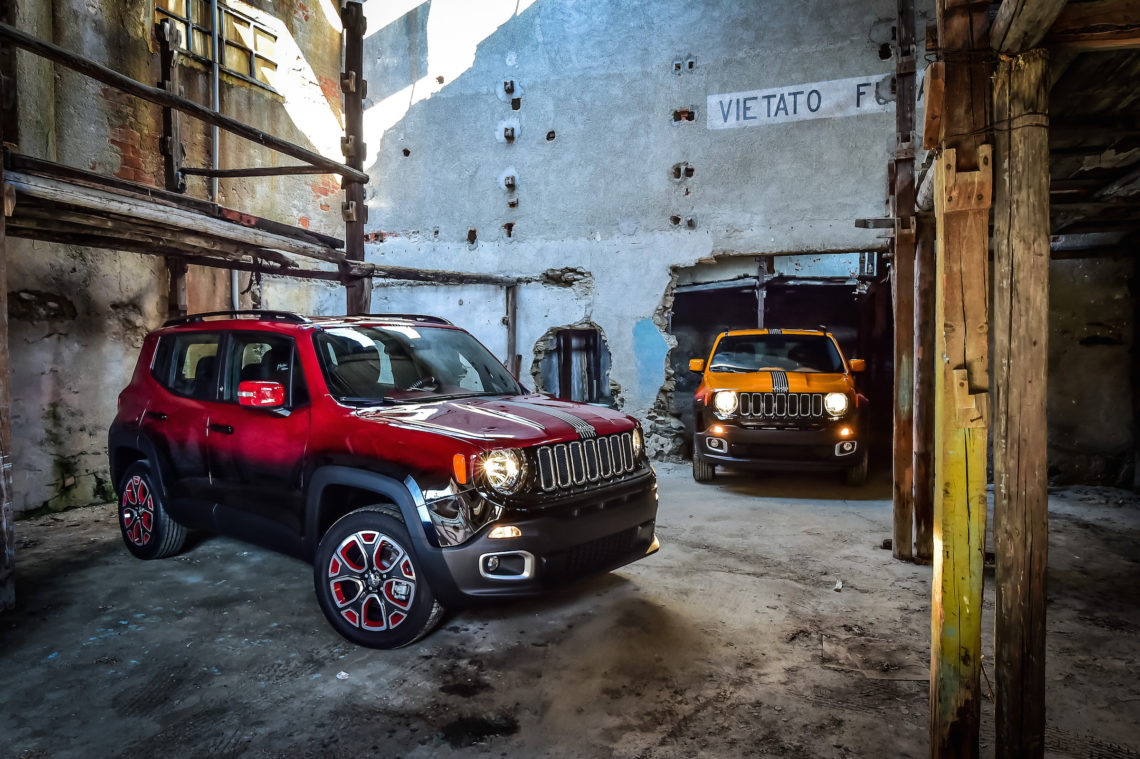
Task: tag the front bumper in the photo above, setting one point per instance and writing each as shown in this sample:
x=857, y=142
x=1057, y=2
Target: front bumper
x=593, y=532
x=822, y=448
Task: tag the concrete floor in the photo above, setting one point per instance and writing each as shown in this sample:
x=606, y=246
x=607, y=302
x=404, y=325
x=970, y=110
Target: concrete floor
x=732, y=641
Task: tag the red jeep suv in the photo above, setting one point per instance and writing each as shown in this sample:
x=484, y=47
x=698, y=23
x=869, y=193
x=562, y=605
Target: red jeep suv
x=393, y=451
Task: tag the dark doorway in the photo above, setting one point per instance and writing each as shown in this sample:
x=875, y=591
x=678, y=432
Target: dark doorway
x=574, y=365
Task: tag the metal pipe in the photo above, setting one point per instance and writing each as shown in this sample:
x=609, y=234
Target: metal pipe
x=215, y=105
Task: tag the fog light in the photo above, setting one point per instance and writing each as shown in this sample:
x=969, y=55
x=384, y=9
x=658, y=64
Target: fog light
x=717, y=429
x=504, y=531
x=492, y=563
x=845, y=432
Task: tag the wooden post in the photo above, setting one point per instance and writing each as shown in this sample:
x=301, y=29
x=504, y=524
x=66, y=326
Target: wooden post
x=923, y=402
x=358, y=290
x=7, y=512
x=170, y=38
x=1021, y=331
x=514, y=360
x=902, y=284
x=962, y=193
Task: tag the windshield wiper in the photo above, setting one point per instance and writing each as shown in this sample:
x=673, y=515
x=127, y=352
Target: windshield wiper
x=366, y=401
x=730, y=368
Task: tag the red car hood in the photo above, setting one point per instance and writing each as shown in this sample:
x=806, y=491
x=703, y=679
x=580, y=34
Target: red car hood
x=516, y=421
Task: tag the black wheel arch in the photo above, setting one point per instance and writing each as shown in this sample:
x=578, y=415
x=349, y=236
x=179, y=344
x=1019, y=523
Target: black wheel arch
x=367, y=488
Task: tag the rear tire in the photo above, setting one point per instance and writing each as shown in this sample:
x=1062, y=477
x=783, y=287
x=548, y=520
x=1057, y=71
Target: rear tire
x=148, y=531
x=857, y=475
x=703, y=471
x=369, y=584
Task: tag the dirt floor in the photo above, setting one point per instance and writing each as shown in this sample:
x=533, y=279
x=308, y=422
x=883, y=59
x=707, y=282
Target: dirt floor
x=735, y=640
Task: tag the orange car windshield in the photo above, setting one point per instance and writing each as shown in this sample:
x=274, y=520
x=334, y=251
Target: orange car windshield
x=787, y=353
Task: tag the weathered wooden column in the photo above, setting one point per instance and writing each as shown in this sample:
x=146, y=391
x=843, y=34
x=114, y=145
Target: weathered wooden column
x=358, y=290
x=1021, y=330
x=7, y=512
x=170, y=38
x=962, y=192
x=923, y=403
x=902, y=284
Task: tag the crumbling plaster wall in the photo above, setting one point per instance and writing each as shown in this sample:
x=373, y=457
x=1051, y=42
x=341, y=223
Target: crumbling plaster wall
x=594, y=150
x=77, y=315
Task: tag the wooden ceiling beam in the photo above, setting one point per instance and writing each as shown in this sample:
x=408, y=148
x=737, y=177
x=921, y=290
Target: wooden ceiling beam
x=1020, y=24
x=1096, y=25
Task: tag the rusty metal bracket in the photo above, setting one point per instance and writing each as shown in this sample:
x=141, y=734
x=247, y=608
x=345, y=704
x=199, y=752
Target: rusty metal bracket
x=968, y=190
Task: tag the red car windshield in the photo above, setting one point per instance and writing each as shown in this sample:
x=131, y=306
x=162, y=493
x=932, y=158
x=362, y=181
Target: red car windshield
x=406, y=364
x=788, y=353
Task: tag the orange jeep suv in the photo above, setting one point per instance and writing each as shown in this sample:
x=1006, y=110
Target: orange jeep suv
x=778, y=399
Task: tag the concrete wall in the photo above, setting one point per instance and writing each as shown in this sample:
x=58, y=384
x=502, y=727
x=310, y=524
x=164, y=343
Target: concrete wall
x=77, y=315
x=1092, y=372
x=595, y=150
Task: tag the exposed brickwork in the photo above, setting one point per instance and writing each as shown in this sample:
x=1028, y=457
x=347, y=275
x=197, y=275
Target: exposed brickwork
x=331, y=89
x=126, y=138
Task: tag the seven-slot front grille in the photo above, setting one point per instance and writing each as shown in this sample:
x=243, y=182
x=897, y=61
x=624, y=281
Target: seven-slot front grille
x=801, y=405
x=565, y=465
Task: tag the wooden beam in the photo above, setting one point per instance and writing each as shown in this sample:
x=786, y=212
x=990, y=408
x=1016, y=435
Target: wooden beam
x=108, y=202
x=358, y=292
x=962, y=200
x=166, y=99
x=923, y=403
x=7, y=509
x=1020, y=24
x=902, y=286
x=1097, y=25
x=1021, y=335
x=513, y=359
x=254, y=171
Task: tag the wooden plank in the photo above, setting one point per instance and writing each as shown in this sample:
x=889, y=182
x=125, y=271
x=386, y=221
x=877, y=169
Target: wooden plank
x=902, y=287
x=1020, y=24
x=98, y=200
x=962, y=200
x=159, y=96
x=358, y=292
x=513, y=358
x=934, y=102
x=1021, y=333
x=1096, y=25
x=924, y=353
x=7, y=509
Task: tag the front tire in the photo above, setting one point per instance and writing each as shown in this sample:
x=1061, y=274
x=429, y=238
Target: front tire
x=703, y=471
x=370, y=586
x=148, y=531
x=857, y=475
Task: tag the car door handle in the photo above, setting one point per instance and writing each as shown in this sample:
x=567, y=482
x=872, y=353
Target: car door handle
x=156, y=415
x=225, y=429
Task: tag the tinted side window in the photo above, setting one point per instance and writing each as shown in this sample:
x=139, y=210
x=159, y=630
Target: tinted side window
x=191, y=366
x=264, y=357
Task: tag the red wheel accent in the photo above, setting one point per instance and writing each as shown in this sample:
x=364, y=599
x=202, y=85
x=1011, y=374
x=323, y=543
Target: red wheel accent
x=137, y=511
x=372, y=581
x=372, y=614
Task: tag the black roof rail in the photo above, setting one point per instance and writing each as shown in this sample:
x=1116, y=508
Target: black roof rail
x=412, y=318
x=281, y=316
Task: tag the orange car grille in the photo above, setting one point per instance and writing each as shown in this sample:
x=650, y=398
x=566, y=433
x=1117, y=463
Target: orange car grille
x=781, y=405
x=585, y=461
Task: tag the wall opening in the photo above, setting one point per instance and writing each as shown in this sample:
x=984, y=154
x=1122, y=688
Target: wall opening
x=573, y=363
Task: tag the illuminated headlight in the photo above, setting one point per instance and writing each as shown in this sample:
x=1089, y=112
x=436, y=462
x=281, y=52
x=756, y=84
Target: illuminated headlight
x=725, y=402
x=638, y=442
x=836, y=403
x=504, y=470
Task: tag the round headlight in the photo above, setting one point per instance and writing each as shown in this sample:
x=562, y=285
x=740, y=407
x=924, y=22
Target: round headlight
x=638, y=442
x=836, y=403
x=725, y=402
x=504, y=470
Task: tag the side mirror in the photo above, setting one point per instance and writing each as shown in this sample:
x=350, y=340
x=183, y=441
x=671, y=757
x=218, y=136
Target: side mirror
x=696, y=365
x=261, y=394
x=857, y=364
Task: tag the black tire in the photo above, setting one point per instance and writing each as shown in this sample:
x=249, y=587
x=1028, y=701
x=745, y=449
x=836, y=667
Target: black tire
x=362, y=601
x=857, y=475
x=148, y=531
x=703, y=471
